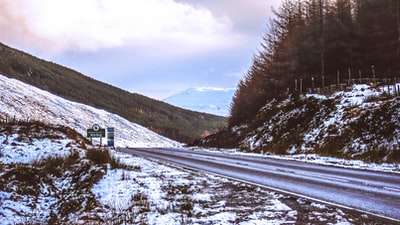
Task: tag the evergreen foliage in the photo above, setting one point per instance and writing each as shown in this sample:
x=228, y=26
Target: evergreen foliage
x=319, y=39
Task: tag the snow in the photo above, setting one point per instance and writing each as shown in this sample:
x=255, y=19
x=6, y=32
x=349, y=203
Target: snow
x=152, y=193
x=200, y=189
x=25, y=102
x=209, y=100
x=29, y=152
x=148, y=192
x=360, y=104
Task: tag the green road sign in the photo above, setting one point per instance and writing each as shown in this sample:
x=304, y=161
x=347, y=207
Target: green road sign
x=96, y=133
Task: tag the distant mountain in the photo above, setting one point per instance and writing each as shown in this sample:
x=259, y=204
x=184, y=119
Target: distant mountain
x=165, y=119
x=210, y=100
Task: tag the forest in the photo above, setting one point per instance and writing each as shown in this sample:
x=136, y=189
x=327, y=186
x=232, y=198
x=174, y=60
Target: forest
x=317, y=43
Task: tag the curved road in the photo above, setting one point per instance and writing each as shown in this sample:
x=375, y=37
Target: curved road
x=372, y=192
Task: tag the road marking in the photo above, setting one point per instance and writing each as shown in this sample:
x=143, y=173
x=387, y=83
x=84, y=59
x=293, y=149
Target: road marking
x=325, y=177
x=242, y=164
x=392, y=189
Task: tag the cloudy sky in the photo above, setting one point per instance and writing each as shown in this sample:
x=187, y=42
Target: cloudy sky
x=152, y=47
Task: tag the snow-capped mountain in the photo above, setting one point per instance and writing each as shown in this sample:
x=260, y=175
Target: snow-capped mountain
x=210, y=100
x=25, y=102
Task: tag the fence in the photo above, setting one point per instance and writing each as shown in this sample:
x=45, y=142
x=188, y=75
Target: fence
x=390, y=86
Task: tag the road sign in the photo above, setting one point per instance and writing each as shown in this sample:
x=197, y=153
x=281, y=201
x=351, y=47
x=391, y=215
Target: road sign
x=96, y=133
x=110, y=136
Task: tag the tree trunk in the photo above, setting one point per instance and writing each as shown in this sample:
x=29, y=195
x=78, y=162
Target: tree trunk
x=322, y=27
x=398, y=25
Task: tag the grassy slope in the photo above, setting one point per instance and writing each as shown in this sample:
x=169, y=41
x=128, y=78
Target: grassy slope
x=170, y=121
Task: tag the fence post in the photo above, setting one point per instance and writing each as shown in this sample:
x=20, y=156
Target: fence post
x=398, y=89
x=337, y=80
x=373, y=75
x=312, y=84
x=349, y=82
x=301, y=86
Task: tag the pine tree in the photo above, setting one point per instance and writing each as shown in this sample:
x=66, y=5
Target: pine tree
x=316, y=38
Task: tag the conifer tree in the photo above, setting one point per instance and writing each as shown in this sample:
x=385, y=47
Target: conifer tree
x=317, y=38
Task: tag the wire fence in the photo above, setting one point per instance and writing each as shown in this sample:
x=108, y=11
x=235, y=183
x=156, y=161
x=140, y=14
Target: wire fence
x=390, y=86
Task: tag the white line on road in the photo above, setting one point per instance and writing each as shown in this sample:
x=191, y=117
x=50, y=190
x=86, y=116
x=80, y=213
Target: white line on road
x=392, y=189
x=325, y=177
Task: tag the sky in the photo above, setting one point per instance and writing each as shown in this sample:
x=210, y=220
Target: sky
x=152, y=47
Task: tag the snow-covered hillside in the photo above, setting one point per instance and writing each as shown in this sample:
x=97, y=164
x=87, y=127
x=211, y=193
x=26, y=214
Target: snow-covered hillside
x=25, y=102
x=363, y=122
x=210, y=100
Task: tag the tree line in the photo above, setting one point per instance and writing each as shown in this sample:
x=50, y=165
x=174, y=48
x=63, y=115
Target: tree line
x=321, y=39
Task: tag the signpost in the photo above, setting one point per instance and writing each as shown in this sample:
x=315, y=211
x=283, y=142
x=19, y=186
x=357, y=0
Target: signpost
x=97, y=132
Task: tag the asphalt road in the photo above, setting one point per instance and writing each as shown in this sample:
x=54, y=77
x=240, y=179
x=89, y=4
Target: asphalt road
x=373, y=192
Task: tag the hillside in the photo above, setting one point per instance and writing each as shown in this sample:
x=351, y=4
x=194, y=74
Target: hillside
x=165, y=119
x=20, y=101
x=360, y=123
x=216, y=101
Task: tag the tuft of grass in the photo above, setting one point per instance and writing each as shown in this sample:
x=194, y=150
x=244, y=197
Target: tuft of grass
x=102, y=156
x=56, y=165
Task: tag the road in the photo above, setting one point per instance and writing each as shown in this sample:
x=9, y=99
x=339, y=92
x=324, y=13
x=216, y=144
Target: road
x=373, y=192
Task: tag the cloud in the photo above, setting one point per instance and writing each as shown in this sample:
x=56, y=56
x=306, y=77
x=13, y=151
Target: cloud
x=246, y=15
x=56, y=27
